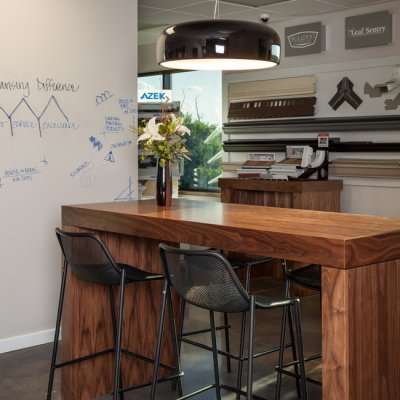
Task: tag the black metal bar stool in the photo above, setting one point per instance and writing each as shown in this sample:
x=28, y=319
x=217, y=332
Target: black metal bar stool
x=90, y=260
x=205, y=279
x=245, y=262
x=308, y=276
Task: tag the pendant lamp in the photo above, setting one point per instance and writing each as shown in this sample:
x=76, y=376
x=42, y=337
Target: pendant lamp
x=218, y=44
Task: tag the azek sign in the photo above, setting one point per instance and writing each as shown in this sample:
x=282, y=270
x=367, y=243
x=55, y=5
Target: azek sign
x=368, y=30
x=304, y=39
x=154, y=96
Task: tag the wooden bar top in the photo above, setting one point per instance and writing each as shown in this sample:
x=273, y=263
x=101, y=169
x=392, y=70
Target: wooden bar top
x=333, y=239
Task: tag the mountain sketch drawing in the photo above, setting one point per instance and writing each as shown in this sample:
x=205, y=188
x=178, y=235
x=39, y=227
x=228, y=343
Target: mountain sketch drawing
x=23, y=103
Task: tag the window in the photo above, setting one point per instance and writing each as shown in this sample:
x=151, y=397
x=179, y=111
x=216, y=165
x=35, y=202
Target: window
x=200, y=96
x=150, y=82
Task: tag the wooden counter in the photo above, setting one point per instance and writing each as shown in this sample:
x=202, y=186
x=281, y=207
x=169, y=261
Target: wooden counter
x=305, y=195
x=360, y=283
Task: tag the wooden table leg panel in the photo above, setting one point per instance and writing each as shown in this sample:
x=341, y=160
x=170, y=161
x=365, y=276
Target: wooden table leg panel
x=361, y=345
x=87, y=323
x=85, y=333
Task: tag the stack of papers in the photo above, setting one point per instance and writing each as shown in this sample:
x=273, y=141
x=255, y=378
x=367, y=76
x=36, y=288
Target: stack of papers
x=256, y=165
x=287, y=167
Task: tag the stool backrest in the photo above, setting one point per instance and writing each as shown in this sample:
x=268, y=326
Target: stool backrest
x=204, y=278
x=88, y=257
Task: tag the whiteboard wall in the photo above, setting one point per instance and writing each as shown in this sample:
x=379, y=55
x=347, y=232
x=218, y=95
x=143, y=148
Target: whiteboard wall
x=67, y=105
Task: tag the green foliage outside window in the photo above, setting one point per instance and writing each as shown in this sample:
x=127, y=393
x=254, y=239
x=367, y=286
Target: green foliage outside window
x=198, y=172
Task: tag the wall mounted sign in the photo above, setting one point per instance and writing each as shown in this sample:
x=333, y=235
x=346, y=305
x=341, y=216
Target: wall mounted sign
x=154, y=96
x=304, y=39
x=368, y=30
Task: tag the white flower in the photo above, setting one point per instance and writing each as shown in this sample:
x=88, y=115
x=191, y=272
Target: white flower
x=150, y=132
x=183, y=129
x=178, y=126
x=170, y=132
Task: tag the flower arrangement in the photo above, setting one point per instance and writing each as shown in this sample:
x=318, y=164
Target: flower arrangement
x=164, y=137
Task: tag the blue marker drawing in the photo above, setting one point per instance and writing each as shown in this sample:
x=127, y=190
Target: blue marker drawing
x=127, y=105
x=102, y=97
x=109, y=157
x=121, y=144
x=127, y=193
x=38, y=117
x=21, y=174
x=44, y=161
x=113, y=124
x=96, y=143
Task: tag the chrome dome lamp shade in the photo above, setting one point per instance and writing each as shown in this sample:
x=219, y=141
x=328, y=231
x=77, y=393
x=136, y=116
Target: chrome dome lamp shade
x=218, y=44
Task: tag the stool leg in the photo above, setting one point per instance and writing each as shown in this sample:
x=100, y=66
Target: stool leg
x=215, y=355
x=281, y=355
x=119, y=336
x=182, y=309
x=294, y=351
x=174, y=341
x=241, y=354
x=115, y=330
x=157, y=357
x=243, y=334
x=286, y=312
x=299, y=346
x=251, y=350
x=227, y=342
x=57, y=330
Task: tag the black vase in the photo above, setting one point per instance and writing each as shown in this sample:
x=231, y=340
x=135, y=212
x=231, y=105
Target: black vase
x=164, y=185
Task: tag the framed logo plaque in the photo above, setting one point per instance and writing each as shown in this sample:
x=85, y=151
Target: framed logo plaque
x=304, y=39
x=368, y=30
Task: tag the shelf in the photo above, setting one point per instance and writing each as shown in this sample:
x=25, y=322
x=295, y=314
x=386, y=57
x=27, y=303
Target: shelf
x=310, y=125
x=275, y=145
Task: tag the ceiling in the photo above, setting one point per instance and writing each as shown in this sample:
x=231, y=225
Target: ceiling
x=154, y=15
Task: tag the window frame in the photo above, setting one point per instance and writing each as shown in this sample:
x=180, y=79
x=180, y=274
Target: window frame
x=167, y=85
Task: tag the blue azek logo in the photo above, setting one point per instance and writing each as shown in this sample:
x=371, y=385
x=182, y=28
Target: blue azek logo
x=153, y=96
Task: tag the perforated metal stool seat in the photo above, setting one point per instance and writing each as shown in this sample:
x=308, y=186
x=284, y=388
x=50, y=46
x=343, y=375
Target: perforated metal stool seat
x=90, y=260
x=133, y=274
x=206, y=279
x=237, y=261
x=308, y=276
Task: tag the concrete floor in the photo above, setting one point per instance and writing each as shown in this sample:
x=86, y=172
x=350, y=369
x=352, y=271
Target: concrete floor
x=24, y=373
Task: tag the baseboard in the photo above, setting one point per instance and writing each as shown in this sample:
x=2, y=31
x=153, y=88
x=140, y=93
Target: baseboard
x=24, y=341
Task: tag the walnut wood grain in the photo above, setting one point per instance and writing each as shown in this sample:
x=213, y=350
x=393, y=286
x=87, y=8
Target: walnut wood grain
x=87, y=322
x=281, y=186
x=335, y=239
x=360, y=283
x=360, y=330
x=307, y=195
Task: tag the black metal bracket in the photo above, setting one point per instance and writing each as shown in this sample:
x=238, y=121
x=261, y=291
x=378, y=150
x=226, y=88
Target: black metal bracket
x=344, y=93
x=392, y=104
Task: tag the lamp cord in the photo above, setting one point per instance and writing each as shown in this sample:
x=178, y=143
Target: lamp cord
x=216, y=9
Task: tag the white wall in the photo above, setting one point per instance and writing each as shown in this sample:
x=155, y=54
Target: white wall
x=373, y=65
x=62, y=154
